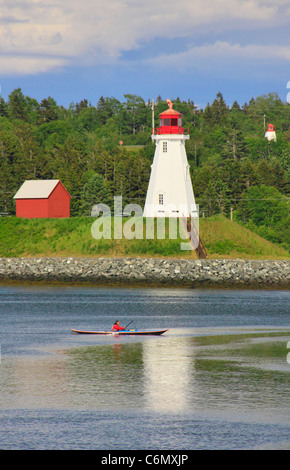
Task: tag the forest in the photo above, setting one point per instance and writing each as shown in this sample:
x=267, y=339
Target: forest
x=104, y=149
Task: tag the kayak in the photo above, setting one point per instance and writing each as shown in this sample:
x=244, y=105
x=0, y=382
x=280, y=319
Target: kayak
x=121, y=333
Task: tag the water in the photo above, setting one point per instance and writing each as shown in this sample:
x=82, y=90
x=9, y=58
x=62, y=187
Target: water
x=218, y=379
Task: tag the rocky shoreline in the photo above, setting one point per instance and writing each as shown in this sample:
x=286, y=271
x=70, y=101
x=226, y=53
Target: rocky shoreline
x=148, y=272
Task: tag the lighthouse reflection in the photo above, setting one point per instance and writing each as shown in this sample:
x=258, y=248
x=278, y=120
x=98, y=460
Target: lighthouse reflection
x=167, y=366
x=144, y=374
x=151, y=374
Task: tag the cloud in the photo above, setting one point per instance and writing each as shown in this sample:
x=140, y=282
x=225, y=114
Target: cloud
x=50, y=33
x=222, y=50
x=29, y=65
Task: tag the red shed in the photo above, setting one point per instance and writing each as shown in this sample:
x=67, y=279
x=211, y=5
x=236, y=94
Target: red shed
x=42, y=198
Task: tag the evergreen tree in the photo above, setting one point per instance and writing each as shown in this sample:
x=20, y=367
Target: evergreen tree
x=265, y=210
x=17, y=106
x=3, y=108
x=217, y=113
x=94, y=191
x=47, y=110
x=81, y=105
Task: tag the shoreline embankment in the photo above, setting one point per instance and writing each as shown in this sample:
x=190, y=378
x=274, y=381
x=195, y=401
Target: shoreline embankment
x=210, y=273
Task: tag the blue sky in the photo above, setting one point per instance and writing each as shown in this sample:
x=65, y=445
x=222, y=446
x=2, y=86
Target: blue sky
x=190, y=49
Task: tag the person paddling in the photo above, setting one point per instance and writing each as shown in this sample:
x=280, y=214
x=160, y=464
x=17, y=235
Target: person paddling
x=117, y=327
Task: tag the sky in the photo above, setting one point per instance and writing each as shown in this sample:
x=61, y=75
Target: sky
x=191, y=49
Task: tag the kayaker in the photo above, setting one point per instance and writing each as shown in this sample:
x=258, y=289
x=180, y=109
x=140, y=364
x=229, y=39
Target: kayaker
x=116, y=326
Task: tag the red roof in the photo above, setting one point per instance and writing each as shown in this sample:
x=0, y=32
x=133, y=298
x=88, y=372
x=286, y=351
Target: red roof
x=270, y=127
x=170, y=111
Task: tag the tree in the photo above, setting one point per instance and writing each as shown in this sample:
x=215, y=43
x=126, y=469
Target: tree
x=267, y=212
x=29, y=158
x=12, y=170
x=234, y=145
x=32, y=108
x=17, y=105
x=217, y=113
x=81, y=105
x=88, y=118
x=47, y=110
x=248, y=174
x=136, y=112
x=95, y=191
x=235, y=106
x=3, y=108
x=107, y=108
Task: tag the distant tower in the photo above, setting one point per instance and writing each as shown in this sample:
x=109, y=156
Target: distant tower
x=270, y=134
x=170, y=191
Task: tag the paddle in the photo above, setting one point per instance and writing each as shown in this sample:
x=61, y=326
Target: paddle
x=128, y=325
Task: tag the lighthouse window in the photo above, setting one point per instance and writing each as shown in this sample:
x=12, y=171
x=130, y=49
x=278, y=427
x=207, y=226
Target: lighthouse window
x=174, y=121
x=164, y=147
x=161, y=199
x=166, y=122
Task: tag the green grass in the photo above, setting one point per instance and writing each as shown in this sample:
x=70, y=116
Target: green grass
x=225, y=239
x=72, y=237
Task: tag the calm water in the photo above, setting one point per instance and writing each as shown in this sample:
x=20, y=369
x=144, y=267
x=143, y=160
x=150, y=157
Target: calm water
x=218, y=379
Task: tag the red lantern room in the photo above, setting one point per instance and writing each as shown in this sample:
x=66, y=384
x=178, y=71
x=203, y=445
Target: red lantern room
x=170, y=121
x=270, y=134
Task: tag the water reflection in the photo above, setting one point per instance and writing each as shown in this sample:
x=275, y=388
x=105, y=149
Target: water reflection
x=171, y=374
x=178, y=374
x=168, y=370
x=106, y=376
x=154, y=375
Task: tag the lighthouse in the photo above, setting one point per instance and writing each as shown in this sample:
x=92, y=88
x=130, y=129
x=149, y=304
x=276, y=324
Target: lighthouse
x=270, y=134
x=170, y=192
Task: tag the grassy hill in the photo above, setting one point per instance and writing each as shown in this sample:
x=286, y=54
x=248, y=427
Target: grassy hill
x=72, y=237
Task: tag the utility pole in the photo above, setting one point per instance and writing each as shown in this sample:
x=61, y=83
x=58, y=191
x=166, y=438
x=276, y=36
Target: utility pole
x=153, y=122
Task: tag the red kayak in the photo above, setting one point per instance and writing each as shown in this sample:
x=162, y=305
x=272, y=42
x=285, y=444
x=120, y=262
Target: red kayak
x=121, y=332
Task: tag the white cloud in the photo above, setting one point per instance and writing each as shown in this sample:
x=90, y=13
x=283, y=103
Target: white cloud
x=49, y=33
x=222, y=50
x=28, y=65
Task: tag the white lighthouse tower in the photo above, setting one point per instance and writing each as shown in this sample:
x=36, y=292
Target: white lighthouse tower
x=270, y=134
x=170, y=192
